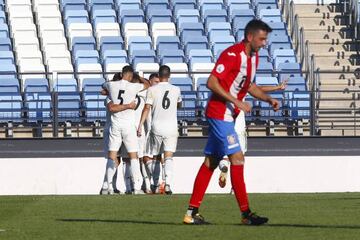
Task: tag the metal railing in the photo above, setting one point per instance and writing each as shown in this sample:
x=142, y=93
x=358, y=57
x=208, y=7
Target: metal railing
x=354, y=17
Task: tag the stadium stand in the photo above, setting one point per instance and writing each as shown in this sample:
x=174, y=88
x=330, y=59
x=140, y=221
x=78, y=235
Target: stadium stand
x=72, y=42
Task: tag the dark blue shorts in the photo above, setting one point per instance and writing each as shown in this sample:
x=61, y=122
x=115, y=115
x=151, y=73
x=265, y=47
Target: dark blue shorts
x=222, y=139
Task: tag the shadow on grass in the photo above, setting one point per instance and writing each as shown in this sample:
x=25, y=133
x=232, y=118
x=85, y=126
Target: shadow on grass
x=118, y=221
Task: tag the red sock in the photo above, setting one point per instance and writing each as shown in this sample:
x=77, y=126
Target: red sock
x=238, y=184
x=200, y=185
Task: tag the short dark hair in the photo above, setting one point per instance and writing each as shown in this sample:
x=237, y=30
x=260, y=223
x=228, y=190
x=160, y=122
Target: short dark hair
x=153, y=75
x=164, y=71
x=136, y=77
x=127, y=69
x=256, y=25
x=117, y=76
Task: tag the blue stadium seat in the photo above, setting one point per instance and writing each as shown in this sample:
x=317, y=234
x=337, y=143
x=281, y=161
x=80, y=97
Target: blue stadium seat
x=278, y=28
x=159, y=15
x=127, y=5
x=100, y=4
x=283, y=56
x=187, y=16
x=234, y=5
x=167, y=42
x=9, y=85
x=139, y=43
x=220, y=43
x=86, y=56
x=94, y=106
x=72, y=5
x=68, y=106
x=65, y=84
x=185, y=84
x=188, y=109
x=7, y=71
x=103, y=16
x=279, y=44
x=131, y=15
x=83, y=43
x=195, y=42
x=264, y=55
x=2, y=16
x=200, y=56
x=156, y=4
x=300, y=105
x=288, y=70
x=206, y=5
x=218, y=29
x=269, y=81
x=111, y=43
x=4, y=31
x=264, y=69
x=36, y=85
x=144, y=56
x=171, y=56
x=92, y=82
x=38, y=106
x=240, y=19
x=191, y=29
x=10, y=107
x=214, y=16
x=182, y=4
x=114, y=56
x=270, y=15
x=297, y=80
x=7, y=57
x=5, y=44
x=75, y=16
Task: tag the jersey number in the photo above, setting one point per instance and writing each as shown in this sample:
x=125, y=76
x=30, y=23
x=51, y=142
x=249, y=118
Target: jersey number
x=166, y=101
x=120, y=97
x=138, y=102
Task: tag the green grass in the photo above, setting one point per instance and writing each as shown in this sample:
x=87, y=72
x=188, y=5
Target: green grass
x=292, y=217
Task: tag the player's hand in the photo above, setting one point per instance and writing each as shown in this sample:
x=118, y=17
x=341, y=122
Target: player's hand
x=139, y=131
x=275, y=104
x=283, y=84
x=132, y=105
x=245, y=106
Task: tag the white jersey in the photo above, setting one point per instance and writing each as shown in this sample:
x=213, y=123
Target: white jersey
x=240, y=124
x=123, y=92
x=108, y=115
x=140, y=103
x=164, y=98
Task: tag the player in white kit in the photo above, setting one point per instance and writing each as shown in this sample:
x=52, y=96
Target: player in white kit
x=163, y=101
x=240, y=129
x=123, y=126
x=111, y=107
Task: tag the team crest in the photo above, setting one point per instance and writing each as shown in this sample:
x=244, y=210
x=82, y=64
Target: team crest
x=231, y=139
x=220, y=68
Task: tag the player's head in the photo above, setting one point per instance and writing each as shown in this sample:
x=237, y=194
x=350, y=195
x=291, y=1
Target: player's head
x=127, y=73
x=154, y=79
x=164, y=73
x=256, y=33
x=117, y=76
x=135, y=78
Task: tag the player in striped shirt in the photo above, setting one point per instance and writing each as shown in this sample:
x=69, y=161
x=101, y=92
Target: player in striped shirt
x=230, y=81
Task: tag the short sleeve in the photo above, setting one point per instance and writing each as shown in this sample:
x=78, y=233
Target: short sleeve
x=224, y=64
x=149, y=97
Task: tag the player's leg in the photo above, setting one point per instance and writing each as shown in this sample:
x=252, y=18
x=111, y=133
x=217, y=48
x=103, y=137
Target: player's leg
x=170, y=144
x=156, y=151
x=115, y=141
x=129, y=186
x=105, y=186
x=146, y=179
x=237, y=179
x=224, y=166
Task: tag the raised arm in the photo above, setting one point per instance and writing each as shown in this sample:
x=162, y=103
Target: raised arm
x=145, y=82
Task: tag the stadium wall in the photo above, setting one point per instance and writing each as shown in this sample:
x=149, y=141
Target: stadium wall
x=48, y=176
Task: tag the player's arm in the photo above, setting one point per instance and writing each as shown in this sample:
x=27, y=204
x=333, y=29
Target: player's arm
x=114, y=108
x=145, y=82
x=214, y=85
x=144, y=116
x=258, y=93
x=281, y=86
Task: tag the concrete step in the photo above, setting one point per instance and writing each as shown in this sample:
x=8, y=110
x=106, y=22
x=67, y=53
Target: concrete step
x=341, y=76
x=339, y=69
x=316, y=22
x=314, y=8
x=326, y=47
x=325, y=34
x=331, y=61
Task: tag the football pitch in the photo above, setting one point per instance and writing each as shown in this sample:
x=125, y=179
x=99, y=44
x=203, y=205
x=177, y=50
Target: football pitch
x=292, y=217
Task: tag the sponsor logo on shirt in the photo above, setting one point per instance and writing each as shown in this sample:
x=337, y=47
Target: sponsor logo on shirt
x=220, y=68
x=231, y=54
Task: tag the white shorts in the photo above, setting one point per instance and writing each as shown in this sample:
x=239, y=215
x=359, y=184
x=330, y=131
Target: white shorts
x=160, y=144
x=243, y=141
x=123, y=135
x=142, y=146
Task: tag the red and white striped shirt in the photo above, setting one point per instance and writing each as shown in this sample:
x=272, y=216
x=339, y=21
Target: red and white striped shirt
x=235, y=71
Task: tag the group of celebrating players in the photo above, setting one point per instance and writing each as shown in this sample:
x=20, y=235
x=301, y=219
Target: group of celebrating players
x=142, y=123
x=143, y=117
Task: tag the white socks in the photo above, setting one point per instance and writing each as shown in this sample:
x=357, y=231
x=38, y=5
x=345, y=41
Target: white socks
x=169, y=164
x=156, y=173
x=136, y=173
x=127, y=176
x=110, y=172
x=145, y=176
x=224, y=163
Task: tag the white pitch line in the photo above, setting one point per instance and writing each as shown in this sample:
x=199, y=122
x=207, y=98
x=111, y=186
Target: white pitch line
x=2, y=230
